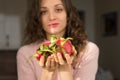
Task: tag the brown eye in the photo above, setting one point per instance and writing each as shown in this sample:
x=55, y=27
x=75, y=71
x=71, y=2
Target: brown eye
x=59, y=10
x=43, y=12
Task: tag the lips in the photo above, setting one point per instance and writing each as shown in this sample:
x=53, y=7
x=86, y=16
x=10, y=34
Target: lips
x=53, y=25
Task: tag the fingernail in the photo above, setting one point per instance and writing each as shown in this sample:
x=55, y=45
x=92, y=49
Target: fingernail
x=59, y=53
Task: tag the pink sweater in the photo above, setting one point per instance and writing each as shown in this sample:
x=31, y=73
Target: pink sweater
x=29, y=69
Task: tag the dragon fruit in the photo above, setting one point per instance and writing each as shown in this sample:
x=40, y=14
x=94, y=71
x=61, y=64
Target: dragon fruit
x=54, y=45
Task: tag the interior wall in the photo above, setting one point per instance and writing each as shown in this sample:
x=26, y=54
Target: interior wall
x=109, y=45
x=88, y=7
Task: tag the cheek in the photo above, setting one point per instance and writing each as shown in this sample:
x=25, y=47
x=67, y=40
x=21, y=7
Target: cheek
x=64, y=20
x=43, y=21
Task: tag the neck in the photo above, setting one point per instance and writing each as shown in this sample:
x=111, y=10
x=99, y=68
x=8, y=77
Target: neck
x=57, y=35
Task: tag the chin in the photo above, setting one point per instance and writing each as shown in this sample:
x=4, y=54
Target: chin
x=55, y=32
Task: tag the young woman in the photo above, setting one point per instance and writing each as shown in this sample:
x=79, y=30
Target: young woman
x=56, y=17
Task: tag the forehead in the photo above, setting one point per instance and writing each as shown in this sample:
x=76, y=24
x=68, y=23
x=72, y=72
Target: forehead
x=50, y=3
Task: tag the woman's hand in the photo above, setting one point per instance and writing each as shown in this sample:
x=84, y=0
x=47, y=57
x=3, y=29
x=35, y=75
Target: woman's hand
x=50, y=63
x=65, y=67
x=48, y=67
x=66, y=58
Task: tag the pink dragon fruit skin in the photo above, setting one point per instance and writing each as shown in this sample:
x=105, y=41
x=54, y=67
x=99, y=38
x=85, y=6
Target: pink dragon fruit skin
x=47, y=43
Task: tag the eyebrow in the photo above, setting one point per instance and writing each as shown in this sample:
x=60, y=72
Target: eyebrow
x=55, y=6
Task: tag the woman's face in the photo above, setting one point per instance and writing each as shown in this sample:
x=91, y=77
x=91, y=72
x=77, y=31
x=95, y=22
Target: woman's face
x=53, y=16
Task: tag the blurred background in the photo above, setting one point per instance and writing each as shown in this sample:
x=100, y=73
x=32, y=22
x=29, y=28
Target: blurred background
x=102, y=23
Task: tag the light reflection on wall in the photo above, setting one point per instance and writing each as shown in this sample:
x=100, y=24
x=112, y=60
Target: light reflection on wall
x=10, y=35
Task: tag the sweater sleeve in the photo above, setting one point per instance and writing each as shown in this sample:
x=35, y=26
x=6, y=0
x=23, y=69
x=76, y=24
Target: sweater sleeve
x=87, y=67
x=24, y=69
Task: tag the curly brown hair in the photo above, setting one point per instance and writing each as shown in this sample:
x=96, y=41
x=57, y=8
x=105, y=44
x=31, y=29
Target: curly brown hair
x=74, y=27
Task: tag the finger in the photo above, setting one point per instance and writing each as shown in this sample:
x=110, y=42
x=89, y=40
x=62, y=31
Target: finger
x=57, y=65
x=60, y=59
x=55, y=57
x=47, y=64
x=52, y=61
x=41, y=62
x=69, y=59
x=52, y=64
x=74, y=51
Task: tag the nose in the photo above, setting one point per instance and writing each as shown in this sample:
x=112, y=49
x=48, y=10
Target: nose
x=52, y=16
